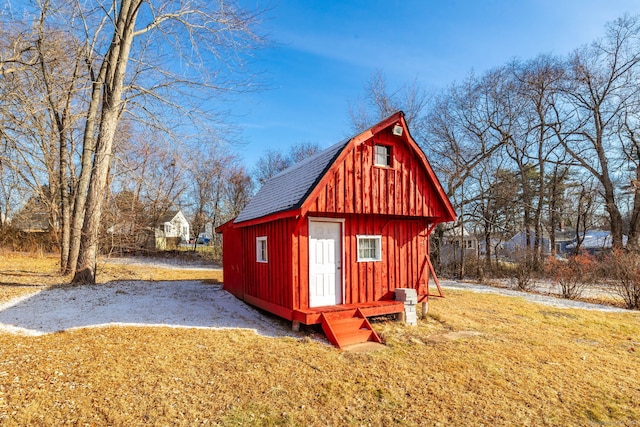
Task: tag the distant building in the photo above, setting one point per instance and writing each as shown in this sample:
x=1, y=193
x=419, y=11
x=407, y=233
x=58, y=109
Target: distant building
x=32, y=222
x=171, y=225
x=171, y=229
x=595, y=242
x=455, y=240
x=518, y=243
x=563, y=238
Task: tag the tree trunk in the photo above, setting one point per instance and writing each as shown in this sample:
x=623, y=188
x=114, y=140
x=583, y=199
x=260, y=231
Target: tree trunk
x=487, y=245
x=112, y=104
x=64, y=199
x=436, y=245
x=88, y=147
x=615, y=217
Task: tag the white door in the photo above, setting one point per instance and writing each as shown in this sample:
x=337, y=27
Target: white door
x=325, y=259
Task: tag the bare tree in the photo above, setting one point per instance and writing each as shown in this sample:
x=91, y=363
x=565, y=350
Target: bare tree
x=302, y=150
x=379, y=102
x=149, y=174
x=458, y=137
x=269, y=165
x=275, y=161
x=42, y=74
x=204, y=33
x=538, y=83
x=603, y=85
x=238, y=190
x=208, y=179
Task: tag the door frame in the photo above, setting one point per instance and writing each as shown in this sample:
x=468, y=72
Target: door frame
x=342, y=255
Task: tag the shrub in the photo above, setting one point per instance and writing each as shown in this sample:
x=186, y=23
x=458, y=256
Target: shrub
x=573, y=274
x=524, y=270
x=524, y=275
x=22, y=241
x=624, y=271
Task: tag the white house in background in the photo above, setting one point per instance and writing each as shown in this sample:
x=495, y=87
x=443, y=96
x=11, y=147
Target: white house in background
x=455, y=238
x=173, y=224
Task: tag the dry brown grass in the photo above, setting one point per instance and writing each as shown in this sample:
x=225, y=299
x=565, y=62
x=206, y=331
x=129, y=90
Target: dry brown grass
x=477, y=360
x=43, y=270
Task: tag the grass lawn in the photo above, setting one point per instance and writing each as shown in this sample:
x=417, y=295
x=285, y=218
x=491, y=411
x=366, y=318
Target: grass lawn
x=479, y=359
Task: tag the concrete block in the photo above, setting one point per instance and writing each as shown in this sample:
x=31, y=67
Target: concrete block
x=404, y=294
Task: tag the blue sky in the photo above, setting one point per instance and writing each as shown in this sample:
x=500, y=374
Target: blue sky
x=325, y=51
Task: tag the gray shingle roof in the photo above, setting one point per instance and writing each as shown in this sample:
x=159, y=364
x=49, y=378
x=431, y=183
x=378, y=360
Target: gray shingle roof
x=167, y=216
x=289, y=189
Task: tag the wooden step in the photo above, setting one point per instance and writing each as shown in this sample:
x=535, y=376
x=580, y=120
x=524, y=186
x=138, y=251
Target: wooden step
x=351, y=323
x=347, y=327
x=354, y=337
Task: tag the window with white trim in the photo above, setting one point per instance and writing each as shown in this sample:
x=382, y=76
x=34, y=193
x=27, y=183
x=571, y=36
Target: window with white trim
x=261, y=249
x=382, y=155
x=369, y=248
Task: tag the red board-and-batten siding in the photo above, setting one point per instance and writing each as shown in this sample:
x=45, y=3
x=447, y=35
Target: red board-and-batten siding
x=355, y=185
x=398, y=203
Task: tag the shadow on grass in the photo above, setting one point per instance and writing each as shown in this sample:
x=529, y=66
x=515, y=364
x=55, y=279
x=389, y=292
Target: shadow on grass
x=189, y=304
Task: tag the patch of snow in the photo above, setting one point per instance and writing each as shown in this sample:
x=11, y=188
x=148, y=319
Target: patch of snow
x=183, y=304
x=169, y=263
x=540, y=299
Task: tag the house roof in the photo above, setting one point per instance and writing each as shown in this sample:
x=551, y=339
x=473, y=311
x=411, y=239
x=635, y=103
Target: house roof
x=168, y=216
x=457, y=231
x=290, y=188
x=31, y=221
x=596, y=239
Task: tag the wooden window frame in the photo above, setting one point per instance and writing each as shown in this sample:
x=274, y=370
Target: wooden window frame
x=378, y=247
x=389, y=156
x=262, y=252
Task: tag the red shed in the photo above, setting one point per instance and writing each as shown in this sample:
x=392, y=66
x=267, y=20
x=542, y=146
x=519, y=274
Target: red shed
x=330, y=238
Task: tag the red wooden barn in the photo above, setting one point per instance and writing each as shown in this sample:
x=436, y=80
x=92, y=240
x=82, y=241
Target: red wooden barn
x=330, y=238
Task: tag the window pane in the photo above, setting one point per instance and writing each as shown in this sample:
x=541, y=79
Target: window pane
x=368, y=248
x=261, y=249
x=382, y=155
x=365, y=248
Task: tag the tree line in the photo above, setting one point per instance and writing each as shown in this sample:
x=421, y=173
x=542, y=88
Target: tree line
x=106, y=114
x=535, y=145
x=115, y=96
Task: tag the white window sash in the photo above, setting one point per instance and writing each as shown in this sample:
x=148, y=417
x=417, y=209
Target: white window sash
x=377, y=248
x=262, y=252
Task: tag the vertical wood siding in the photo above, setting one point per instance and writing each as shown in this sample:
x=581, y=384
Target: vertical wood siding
x=270, y=281
x=404, y=250
x=232, y=256
x=357, y=186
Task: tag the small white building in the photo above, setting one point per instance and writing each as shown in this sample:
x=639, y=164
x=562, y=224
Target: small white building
x=171, y=225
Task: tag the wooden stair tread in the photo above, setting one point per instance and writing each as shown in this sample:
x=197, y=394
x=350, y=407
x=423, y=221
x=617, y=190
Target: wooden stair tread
x=354, y=337
x=351, y=323
x=347, y=328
